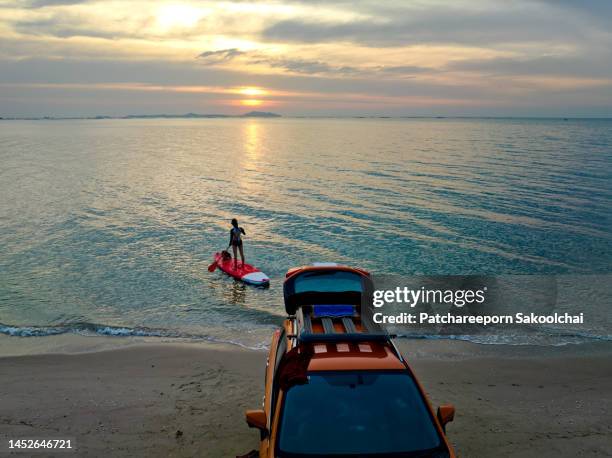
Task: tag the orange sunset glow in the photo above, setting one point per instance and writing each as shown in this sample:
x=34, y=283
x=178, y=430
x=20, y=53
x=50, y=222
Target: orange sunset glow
x=251, y=102
x=432, y=57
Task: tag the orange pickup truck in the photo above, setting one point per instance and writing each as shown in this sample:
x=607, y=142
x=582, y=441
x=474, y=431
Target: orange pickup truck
x=336, y=386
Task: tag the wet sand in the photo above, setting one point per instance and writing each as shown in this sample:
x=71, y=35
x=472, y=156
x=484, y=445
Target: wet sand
x=183, y=400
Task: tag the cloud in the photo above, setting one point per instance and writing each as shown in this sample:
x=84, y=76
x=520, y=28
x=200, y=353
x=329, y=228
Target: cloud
x=222, y=55
x=306, y=67
x=317, y=67
x=595, y=8
x=91, y=70
x=406, y=69
x=54, y=27
x=592, y=66
x=44, y=3
x=404, y=32
x=400, y=25
x=302, y=66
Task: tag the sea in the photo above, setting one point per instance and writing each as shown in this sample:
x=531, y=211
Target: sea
x=107, y=226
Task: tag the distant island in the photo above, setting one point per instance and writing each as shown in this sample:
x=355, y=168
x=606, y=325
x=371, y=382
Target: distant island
x=250, y=114
x=260, y=114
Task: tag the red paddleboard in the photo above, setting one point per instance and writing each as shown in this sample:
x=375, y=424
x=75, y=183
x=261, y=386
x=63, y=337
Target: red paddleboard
x=243, y=272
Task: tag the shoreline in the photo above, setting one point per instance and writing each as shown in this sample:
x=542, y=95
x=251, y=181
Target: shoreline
x=421, y=348
x=185, y=399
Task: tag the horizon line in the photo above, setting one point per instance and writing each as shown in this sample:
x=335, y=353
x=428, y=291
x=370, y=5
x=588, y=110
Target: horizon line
x=269, y=115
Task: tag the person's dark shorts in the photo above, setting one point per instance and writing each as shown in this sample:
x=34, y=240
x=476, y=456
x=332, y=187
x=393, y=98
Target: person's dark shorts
x=237, y=243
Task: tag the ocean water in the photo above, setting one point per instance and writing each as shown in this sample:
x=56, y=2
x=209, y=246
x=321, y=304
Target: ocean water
x=107, y=227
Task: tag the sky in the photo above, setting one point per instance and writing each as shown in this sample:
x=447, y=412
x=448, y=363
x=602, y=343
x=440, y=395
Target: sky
x=309, y=57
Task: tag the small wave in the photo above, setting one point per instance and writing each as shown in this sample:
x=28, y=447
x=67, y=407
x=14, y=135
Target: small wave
x=553, y=340
x=28, y=331
x=91, y=329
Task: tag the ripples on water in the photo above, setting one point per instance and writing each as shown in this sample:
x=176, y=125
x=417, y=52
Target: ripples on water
x=108, y=226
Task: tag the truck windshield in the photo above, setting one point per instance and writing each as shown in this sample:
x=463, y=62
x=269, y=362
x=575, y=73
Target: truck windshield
x=346, y=414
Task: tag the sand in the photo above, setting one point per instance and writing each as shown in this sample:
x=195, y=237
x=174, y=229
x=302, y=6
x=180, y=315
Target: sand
x=183, y=400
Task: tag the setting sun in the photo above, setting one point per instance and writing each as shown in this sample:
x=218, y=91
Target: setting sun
x=252, y=91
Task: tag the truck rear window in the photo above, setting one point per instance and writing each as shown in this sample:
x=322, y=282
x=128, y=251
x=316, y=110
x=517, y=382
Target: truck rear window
x=328, y=282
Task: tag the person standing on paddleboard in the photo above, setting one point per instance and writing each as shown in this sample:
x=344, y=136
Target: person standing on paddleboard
x=236, y=233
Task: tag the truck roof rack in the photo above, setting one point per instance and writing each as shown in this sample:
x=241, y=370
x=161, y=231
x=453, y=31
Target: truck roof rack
x=336, y=323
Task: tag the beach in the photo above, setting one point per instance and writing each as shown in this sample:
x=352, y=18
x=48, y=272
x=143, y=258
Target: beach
x=188, y=399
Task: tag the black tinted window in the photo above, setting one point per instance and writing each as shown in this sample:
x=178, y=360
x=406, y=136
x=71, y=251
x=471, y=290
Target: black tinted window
x=329, y=282
x=356, y=413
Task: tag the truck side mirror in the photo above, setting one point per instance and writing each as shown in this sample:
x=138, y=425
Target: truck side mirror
x=446, y=414
x=257, y=419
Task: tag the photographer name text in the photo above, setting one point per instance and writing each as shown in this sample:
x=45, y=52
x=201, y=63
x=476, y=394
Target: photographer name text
x=482, y=320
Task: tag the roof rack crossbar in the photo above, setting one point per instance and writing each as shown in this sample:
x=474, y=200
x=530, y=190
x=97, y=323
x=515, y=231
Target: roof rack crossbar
x=328, y=326
x=306, y=321
x=349, y=326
